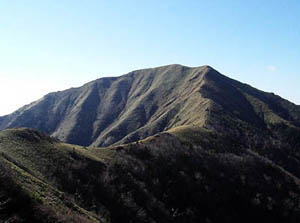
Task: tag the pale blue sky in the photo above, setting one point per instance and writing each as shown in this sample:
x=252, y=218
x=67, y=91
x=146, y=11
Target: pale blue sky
x=51, y=45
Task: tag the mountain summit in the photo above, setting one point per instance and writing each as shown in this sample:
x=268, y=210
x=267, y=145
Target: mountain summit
x=142, y=103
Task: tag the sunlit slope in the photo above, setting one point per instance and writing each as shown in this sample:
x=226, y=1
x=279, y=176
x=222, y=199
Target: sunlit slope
x=108, y=110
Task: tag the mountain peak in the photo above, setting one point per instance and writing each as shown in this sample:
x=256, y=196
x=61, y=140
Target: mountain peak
x=145, y=102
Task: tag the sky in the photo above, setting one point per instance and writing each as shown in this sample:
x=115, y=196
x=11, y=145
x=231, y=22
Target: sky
x=52, y=45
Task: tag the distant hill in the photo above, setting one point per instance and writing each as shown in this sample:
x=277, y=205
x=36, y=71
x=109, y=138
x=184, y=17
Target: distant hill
x=142, y=103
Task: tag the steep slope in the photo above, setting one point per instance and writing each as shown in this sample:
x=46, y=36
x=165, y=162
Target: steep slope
x=144, y=102
x=188, y=174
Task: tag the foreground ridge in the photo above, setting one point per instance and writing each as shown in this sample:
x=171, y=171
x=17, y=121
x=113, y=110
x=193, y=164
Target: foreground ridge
x=188, y=174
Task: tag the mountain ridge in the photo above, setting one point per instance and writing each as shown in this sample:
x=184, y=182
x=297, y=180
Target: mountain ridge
x=144, y=102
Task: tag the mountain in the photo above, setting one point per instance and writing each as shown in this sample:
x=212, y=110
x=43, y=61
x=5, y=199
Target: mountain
x=142, y=103
x=183, y=145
